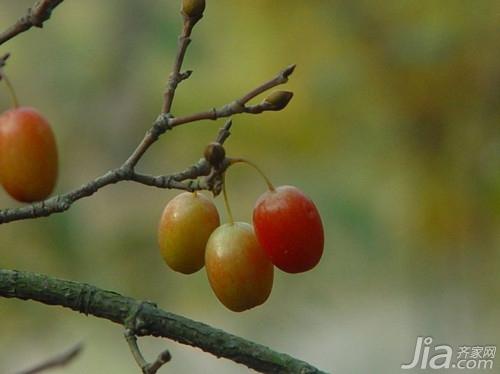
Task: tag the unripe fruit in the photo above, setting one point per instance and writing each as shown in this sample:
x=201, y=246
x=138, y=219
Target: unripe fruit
x=193, y=8
x=238, y=270
x=28, y=155
x=289, y=228
x=185, y=226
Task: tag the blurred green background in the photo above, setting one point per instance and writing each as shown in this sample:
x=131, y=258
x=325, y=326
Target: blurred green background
x=394, y=132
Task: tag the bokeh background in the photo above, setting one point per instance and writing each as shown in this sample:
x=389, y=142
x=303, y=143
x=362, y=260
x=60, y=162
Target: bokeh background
x=394, y=132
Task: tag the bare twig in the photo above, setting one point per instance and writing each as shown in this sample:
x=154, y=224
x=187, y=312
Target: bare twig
x=161, y=360
x=146, y=368
x=166, y=122
x=281, y=78
x=61, y=203
x=145, y=319
x=162, y=123
x=176, y=77
x=239, y=106
x=184, y=180
x=58, y=361
x=36, y=16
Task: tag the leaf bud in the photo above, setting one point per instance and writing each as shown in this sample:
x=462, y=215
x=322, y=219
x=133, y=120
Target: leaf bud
x=278, y=100
x=193, y=8
x=215, y=153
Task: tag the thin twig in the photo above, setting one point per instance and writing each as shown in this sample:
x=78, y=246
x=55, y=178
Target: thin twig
x=35, y=17
x=239, y=106
x=147, y=319
x=160, y=126
x=161, y=360
x=146, y=368
x=175, y=76
x=183, y=180
x=58, y=361
x=61, y=203
x=281, y=78
x=162, y=123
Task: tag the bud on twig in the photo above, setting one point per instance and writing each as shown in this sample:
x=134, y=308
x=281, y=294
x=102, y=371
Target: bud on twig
x=193, y=8
x=278, y=100
x=215, y=153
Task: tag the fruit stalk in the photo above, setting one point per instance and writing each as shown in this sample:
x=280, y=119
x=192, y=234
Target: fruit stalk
x=270, y=186
x=226, y=201
x=10, y=87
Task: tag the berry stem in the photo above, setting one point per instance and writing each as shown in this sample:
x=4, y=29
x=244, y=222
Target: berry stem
x=226, y=201
x=259, y=170
x=12, y=92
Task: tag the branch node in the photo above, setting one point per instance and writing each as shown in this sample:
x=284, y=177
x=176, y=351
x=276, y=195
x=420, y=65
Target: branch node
x=134, y=322
x=161, y=125
x=185, y=75
x=63, y=203
x=237, y=107
x=125, y=172
x=34, y=18
x=84, y=299
x=166, y=180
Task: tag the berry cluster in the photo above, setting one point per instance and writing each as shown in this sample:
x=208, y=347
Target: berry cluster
x=239, y=258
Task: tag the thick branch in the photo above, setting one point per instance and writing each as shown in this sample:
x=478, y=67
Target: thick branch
x=146, y=319
x=36, y=16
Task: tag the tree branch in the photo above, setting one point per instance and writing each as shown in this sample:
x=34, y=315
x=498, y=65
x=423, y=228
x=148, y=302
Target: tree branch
x=145, y=318
x=35, y=17
x=239, y=105
x=146, y=368
x=61, y=360
x=176, y=77
x=61, y=203
x=184, y=180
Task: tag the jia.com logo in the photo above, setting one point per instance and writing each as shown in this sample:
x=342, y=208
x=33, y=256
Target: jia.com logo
x=469, y=357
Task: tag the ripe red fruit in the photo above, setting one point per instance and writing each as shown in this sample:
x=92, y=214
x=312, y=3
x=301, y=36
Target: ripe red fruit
x=28, y=155
x=185, y=226
x=288, y=227
x=238, y=270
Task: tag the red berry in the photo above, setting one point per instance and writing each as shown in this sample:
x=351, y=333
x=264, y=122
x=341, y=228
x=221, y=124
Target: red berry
x=185, y=226
x=238, y=270
x=28, y=155
x=289, y=228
